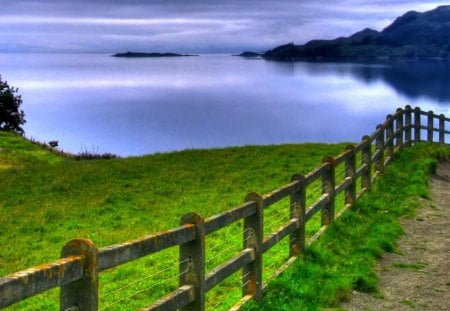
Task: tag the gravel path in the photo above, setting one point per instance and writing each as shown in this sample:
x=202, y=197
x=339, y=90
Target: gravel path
x=417, y=276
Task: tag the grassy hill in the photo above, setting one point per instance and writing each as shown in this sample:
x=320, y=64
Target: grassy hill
x=47, y=200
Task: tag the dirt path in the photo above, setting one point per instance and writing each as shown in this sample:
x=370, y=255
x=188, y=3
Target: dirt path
x=417, y=277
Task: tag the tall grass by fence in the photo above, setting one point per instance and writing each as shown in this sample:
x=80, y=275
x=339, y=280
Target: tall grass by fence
x=338, y=181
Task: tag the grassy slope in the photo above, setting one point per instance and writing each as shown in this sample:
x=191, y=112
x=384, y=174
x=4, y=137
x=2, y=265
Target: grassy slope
x=47, y=200
x=343, y=259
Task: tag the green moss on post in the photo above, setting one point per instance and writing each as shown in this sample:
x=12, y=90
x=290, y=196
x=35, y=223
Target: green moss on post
x=366, y=178
x=298, y=207
x=253, y=235
x=350, y=171
x=83, y=293
x=328, y=184
x=192, y=262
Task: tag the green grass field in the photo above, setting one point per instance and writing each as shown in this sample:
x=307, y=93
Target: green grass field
x=343, y=259
x=47, y=200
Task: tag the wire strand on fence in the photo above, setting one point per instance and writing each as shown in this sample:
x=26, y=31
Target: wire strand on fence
x=225, y=250
x=219, y=303
x=314, y=188
x=140, y=280
x=235, y=238
x=315, y=196
x=246, y=275
x=144, y=289
x=340, y=174
x=277, y=220
x=276, y=214
x=246, y=283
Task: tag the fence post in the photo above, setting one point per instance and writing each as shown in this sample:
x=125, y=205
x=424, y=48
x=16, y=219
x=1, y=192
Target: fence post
x=192, y=262
x=366, y=152
x=328, y=184
x=298, y=207
x=408, y=112
x=350, y=171
x=253, y=236
x=399, y=128
x=379, y=166
x=442, y=129
x=430, y=126
x=417, y=125
x=390, y=136
x=81, y=294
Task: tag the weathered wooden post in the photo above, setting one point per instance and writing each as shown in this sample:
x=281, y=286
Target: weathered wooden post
x=82, y=294
x=366, y=152
x=350, y=171
x=192, y=262
x=430, y=126
x=390, y=136
x=328, y=184
x=399, y=128
x=417, y=124
x=298, y=207
x=408, y=112
x=442, y=129
x=253, y=235
x=379, y=165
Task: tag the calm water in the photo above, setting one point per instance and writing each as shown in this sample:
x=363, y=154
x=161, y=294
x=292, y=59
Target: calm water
x=98, y=103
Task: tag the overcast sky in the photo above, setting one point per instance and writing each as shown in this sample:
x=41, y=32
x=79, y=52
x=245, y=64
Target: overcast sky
x=187, y=26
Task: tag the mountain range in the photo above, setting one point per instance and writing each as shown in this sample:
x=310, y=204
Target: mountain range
x=413, y=35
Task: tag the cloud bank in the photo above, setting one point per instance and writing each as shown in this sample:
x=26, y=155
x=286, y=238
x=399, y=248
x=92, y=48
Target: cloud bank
x=108, y=26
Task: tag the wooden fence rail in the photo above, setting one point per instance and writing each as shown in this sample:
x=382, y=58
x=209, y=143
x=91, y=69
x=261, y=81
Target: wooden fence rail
x=77, y=271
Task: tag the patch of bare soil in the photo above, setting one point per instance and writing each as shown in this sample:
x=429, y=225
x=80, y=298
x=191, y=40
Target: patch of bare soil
x=417, y=276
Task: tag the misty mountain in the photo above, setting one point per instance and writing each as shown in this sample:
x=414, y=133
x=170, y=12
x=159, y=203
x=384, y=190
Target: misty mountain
x=412, y=35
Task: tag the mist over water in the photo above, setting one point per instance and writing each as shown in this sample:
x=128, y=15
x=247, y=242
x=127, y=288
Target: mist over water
x=128, y=106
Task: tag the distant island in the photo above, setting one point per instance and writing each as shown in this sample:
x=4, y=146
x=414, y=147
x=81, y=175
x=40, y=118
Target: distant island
x=412, y=36
x=249, y=54
x=142, y=54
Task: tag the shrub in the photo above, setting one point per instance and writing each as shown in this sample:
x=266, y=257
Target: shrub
x=11, y=117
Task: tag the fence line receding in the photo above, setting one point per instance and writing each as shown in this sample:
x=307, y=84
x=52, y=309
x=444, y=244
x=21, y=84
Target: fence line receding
x=346, y=176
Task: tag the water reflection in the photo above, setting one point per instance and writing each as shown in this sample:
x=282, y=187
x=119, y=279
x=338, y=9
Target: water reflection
x=413, y=79
x=138, y=106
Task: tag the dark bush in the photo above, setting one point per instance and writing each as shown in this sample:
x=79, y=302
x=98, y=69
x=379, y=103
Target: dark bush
x=11, y=117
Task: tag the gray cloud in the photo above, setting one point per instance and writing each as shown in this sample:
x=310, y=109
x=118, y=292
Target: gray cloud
x=187, y=26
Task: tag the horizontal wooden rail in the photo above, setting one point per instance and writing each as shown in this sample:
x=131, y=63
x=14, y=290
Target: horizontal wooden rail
x=29, y=282
x=220, y=221
x=226, y=269
x=315, y=174
x=115, y=255
x=354, y=169
x=178, y=299
x=280, y=193
x=317, y=206
x=282, y=232
x=343, y=186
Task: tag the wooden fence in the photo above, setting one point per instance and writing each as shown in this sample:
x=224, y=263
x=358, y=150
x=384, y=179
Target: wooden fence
x=78, y=269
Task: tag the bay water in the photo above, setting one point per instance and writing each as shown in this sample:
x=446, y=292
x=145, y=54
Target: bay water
x=135, y=106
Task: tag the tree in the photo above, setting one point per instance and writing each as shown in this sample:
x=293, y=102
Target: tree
x=11, y=117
